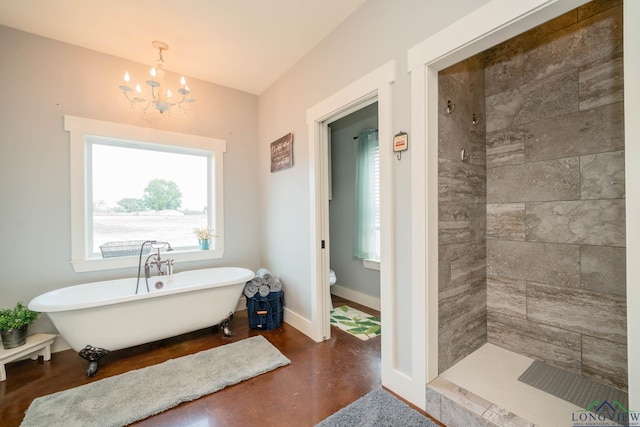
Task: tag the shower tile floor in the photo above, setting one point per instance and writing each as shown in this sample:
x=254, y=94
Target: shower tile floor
x=483, y=389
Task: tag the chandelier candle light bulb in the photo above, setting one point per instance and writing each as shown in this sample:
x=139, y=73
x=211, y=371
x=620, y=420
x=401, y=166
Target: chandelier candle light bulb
x=160, y=97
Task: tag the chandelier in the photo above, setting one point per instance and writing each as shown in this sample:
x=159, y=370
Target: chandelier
x=158, y=96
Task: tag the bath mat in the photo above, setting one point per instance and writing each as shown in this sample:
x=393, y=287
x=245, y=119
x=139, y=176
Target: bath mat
x=355, y=322
x=123, y=399
x=377, y=408
x=573, y=388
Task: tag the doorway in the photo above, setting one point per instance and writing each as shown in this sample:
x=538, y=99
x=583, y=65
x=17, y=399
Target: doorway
x=373, y=87
x=355, y=277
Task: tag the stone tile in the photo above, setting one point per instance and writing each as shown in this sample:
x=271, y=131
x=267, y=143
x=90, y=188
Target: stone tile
x=585, y=132
x=461, y=182
x=505, y=147
x=532, y=37
x=456, y=344
x=456, y=415
x=463, y=85
x=468, y=262
x=506, y=221
x=602, y=176
x=504, y=72
x=604, y=269
x=540, y=99
x=454, y=232
x=555, y=346
x=444, y=267
x=601, y=83
x=538, y=262
x=460, y=395
x=595, y=314
x=503, y=107
x=507, y=296
x=587, y=41
x=503, y=418
x=588, y=222
x=595, y=7
x=538, y=181
x=460, y=305
x=605, y=361
x=433, y=402
x=461, y=222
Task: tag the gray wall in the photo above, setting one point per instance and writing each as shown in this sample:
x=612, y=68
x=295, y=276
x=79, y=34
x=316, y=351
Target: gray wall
x=379, y=31
x=42, y=80
x=556, y=194
x=350, y=272
x=462, y=289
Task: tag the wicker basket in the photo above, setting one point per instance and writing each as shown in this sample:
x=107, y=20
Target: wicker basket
x=266, y=313
x=128, y=248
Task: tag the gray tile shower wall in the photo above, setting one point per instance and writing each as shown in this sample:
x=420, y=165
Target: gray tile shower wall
x=532, y=223
x=462, y=212
x=556, y=194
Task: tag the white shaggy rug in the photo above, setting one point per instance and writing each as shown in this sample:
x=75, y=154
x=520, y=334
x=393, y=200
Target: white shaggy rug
x=123, y=399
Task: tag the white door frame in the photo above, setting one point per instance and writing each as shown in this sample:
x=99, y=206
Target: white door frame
x=493, y=23
x=375, y=86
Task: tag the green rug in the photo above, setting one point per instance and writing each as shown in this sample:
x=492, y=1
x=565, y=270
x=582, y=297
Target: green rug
x=123, y=399
x=355, y=322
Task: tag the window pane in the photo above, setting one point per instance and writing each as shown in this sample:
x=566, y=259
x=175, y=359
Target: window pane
x=146, y=194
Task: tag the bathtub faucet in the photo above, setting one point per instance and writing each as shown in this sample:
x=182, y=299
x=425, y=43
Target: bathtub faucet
x=154, y=259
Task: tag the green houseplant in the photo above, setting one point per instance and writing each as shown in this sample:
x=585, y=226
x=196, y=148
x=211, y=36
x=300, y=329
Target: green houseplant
x=14, y=325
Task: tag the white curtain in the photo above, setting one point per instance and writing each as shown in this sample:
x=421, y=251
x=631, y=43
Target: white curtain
x=366, y=237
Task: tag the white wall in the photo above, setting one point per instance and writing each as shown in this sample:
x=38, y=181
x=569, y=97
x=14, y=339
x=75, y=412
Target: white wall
x=379, y=31
x=42, y=80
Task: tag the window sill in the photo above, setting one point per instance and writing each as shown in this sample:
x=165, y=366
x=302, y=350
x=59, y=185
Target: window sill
x=371, y=264
x=100, y=264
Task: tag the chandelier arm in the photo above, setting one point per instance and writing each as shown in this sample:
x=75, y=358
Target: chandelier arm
x=158, y=99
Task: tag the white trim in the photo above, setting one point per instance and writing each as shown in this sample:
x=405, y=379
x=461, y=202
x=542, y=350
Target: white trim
x=371, y=264
x=374, y=86
x=355, y=296
x=493, y=23
x=632, y=176
x=79, y=128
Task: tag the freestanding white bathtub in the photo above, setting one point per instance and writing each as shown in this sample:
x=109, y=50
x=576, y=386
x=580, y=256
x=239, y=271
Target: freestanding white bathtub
x=104, y=316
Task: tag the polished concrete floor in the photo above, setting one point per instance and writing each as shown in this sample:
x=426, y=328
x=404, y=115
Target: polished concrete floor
x=322, y=378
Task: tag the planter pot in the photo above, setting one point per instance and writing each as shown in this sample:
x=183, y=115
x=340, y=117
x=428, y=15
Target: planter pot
x=14, y=337
x=204, y=244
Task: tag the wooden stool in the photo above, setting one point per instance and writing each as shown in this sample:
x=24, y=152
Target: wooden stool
x=36, y=345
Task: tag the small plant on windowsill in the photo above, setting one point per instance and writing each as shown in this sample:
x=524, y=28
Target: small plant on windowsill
x=204, y=236
x=14, y=325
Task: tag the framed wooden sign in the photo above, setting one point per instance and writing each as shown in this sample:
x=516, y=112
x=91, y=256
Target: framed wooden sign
x=282, y=153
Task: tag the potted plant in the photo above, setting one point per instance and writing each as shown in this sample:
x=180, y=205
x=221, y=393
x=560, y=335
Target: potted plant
x=204, y=236
x=14, y=325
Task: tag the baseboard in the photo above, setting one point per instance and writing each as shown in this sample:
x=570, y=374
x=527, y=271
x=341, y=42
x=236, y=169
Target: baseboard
x=355, y=296
x=298, y=322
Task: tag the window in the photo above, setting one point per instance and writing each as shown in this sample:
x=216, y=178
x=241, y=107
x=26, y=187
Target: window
x=366, y=245
x=130, y=183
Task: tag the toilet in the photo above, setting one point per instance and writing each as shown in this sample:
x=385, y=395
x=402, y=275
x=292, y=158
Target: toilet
x=332, y=277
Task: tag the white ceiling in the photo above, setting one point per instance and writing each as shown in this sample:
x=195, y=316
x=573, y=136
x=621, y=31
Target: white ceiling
x=243, y=44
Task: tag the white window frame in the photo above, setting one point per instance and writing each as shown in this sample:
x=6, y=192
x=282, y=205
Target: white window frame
x=81, y=130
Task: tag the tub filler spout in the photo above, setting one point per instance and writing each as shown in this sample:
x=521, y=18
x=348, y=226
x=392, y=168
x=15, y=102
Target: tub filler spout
x=154, y=260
